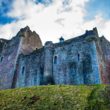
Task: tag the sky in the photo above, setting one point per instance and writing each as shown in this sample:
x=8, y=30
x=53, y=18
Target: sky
x=52, y=19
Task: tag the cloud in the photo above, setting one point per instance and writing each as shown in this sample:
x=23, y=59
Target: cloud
x=60, y=17
x=60, y=21
x=102, y=24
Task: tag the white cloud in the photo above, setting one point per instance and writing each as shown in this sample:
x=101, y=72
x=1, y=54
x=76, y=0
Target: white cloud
x=54, y=20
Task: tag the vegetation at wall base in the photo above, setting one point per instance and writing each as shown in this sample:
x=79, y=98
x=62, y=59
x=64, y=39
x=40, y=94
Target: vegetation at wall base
x=56, y=97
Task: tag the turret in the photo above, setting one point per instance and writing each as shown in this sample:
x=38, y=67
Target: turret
x=91, y=35
x=95, y=31
x=61, y=39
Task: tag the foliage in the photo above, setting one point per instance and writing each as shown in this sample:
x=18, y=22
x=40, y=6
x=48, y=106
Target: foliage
x=56, y=97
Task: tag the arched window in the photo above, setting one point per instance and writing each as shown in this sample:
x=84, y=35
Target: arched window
x=1, y=59
x=41, y=75
x=55, y=60
x=23, y=70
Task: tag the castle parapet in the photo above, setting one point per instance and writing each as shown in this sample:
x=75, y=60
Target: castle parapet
x=92, y=35
x=48, y=44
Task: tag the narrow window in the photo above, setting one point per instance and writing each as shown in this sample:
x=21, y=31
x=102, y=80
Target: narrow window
x=41, y=75
x=23, y=70
x=5, y=45
x=1, y=59
x=78, y=57
x=55, y=60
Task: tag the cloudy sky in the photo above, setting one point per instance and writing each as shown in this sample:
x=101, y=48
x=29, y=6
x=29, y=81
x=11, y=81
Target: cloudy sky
x=54, y=18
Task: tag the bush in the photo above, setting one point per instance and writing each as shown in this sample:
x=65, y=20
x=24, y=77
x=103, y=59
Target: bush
x=56, y=97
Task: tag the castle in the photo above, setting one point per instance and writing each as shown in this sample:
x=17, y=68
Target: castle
x=81, y=60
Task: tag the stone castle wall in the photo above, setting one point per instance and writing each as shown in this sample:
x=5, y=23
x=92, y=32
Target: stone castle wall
x=10, y=51
x=81, y=60
x=8, y=58
x=105, y=46
x=30, y=69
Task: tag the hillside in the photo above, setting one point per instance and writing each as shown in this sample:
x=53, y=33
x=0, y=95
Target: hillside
x=60, y=97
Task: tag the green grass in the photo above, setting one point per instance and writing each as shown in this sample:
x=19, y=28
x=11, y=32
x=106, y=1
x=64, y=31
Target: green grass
x=96, y=97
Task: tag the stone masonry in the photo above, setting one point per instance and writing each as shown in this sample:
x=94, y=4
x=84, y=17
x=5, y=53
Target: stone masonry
x=24, y=61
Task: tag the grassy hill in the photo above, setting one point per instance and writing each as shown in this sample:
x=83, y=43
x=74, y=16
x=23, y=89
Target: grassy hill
x=96, y=97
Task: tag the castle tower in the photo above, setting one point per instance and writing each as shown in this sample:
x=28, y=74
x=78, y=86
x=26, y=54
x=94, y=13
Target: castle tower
x=30, y=40
x=24, y=42
x=48, y=60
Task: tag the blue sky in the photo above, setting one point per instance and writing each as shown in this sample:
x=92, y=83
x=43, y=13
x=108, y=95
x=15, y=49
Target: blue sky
x=5, y=6
x=70, y=17
x=94, y=7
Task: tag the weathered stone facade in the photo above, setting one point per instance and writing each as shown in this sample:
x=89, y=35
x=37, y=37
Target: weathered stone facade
x=81, y=60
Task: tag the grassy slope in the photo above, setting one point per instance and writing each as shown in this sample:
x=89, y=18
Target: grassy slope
x=95, y=97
